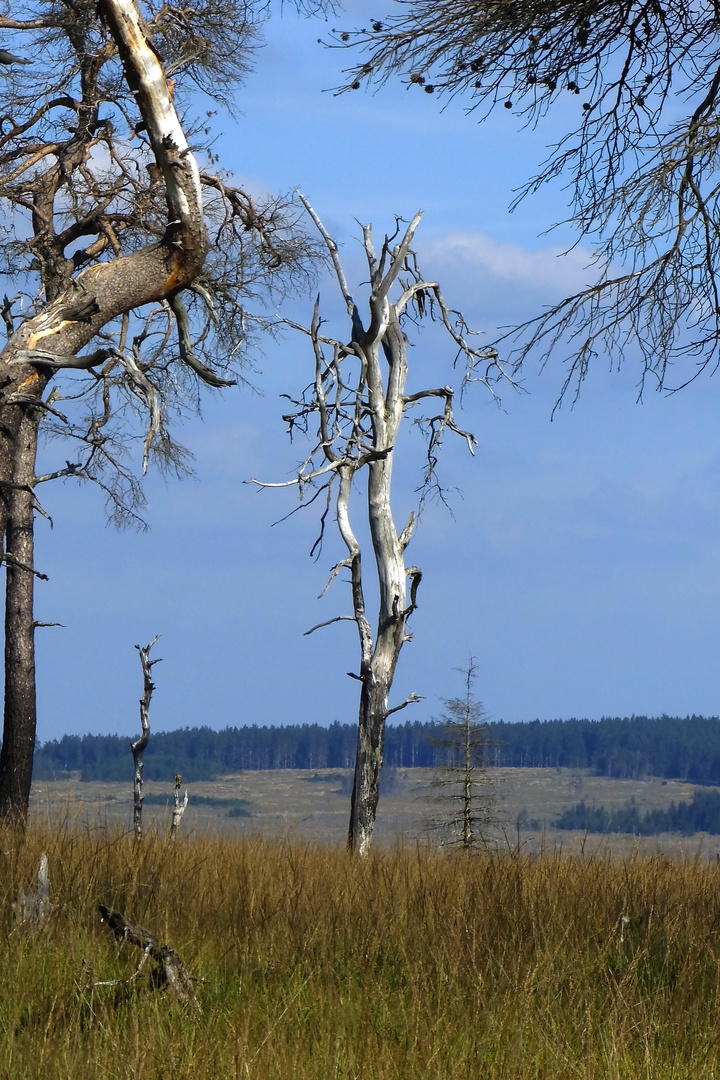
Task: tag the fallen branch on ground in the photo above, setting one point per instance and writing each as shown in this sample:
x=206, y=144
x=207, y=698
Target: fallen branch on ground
x=172, y=972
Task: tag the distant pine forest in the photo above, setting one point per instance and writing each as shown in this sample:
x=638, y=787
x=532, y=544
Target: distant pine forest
x=701, y=814
x=674, y=748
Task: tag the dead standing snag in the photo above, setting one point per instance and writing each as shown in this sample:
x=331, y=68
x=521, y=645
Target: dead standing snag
x=179, y=808
x=466, y=795
x=138, y=747
x=32, y=908
x=355, y=406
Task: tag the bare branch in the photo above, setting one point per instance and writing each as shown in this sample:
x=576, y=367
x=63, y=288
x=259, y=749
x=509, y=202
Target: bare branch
x=186, y=351
x=343, y=564
x=6, y=557
x=639, y=156
x=406, y=535
x=415, y=575
x=58, y=361
x=337, y=265
x=152, y=402
x=301, y=479
x=338, y=618
x=173, y=972
x=59, y=474
x=35, y=403
x=410, y=700
x=398, y=261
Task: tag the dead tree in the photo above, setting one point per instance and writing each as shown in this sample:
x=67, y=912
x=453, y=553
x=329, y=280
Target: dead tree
x=140, y=744
x=356, y=405
x=466, y=795
x=179, y=807
x=131, y=264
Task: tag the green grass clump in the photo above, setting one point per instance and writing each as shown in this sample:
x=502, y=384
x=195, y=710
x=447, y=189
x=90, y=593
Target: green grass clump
x=316, y=965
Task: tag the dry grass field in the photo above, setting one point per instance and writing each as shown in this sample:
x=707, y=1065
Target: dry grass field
x=413, y=964
x=315, y=806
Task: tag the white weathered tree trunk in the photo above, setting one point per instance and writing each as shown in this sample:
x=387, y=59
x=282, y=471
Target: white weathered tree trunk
x=140, y=745
x=359, y=397
x=379, y=661
x=179, y=807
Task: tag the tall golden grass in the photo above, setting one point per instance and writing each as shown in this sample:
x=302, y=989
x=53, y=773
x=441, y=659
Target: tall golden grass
x=411, y=963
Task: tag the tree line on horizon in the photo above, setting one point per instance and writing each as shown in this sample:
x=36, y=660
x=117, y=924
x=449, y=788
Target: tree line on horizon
x=701, y=814
x=625, y=748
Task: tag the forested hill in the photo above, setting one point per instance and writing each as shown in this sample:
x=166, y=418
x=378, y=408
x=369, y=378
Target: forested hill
x=671, y=747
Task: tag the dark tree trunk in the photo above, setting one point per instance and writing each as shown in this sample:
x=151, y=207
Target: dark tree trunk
x=16, y=755
x=377, y=669
x=368, y=762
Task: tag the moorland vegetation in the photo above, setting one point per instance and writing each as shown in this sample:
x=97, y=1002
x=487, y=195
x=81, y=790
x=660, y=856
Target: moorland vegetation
x=317, y=965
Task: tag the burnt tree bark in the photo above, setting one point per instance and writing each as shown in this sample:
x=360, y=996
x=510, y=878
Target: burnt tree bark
x=358, y=400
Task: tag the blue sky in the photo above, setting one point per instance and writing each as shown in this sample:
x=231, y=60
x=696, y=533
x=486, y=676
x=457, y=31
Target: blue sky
x=580, y=566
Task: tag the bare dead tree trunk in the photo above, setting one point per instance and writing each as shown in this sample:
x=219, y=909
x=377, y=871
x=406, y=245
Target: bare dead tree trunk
x=358, y=397
x=179, y=807
x=19, y=722
x=368, y=762
x=140, y=744
x=378, y=663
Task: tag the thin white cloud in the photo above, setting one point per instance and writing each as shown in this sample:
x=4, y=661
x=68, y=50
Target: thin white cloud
x=548, y=270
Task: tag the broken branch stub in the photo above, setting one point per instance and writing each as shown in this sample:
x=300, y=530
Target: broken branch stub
x=179, y=808
x=32, y=908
